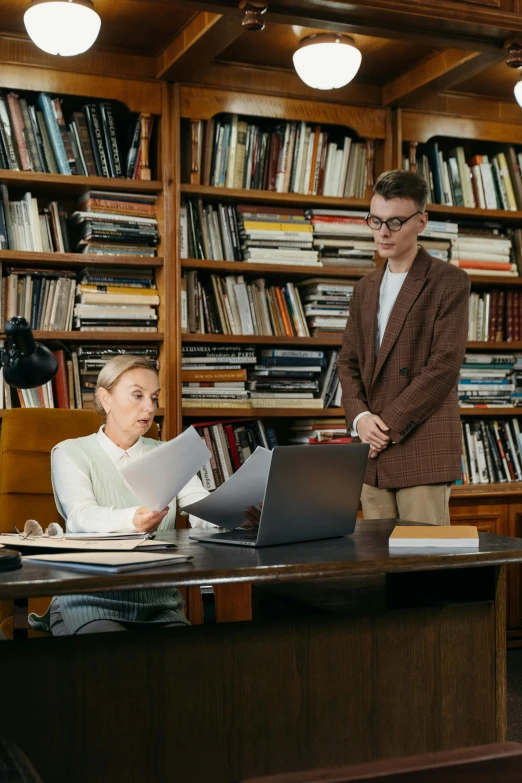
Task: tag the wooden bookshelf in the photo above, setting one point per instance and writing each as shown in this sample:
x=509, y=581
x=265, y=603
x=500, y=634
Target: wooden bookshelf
x=100, y=337
x=263, y=413
x=160, y=413
x=73, y=186
x=290, y=270
x=242, y=196
x=242, y=339
x=494, y=281
x=475, y=213
x=491, y=347
x=494, y=412
x=73, y=260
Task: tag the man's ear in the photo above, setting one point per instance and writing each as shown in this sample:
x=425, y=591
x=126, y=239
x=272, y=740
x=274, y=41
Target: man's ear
x=423, y=219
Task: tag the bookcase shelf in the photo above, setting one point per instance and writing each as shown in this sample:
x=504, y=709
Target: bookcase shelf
x=475, y=213
x=243, y=339
x=73, y=260
x=159, y=413
x=258, y=413
x=99, y=337
x=242, y=267
x=73, y=185
x=491, y=347
x=492, y=281
x=270, y=197
x=496, y=412
x=486, y=491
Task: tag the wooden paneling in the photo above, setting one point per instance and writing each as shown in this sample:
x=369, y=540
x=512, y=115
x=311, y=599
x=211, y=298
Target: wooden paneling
x=209, y=704
x=283, y=82
x=203, y=103
x=487, y=518
x=137, y=95
x=420, y=126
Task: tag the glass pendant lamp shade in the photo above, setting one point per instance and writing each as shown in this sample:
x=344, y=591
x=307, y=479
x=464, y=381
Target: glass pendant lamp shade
x=65, y=27
x=327, y=61
x=518, y=93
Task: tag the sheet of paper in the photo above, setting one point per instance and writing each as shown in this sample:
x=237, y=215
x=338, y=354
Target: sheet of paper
x=158, y=476
x=43, y=542
x=226, y=506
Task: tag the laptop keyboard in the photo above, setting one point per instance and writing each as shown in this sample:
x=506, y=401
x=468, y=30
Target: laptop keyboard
x=238, y=535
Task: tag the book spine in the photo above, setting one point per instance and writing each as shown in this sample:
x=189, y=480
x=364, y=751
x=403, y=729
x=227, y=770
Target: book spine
x=18, y=129
x=93, y=123
x=46, y=105
x=62, y=392
x=112, y=138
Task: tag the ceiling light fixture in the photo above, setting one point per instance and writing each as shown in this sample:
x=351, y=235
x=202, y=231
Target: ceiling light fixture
x=65, y=27
x=327, y=61
x=514, y=60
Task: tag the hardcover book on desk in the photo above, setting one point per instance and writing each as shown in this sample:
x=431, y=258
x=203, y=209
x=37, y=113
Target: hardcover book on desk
x=421, y=536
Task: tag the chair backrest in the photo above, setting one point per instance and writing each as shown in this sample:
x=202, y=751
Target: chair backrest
x=28, y=435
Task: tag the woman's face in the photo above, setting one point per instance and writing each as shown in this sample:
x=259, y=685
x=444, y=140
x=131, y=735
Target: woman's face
x=132, y=403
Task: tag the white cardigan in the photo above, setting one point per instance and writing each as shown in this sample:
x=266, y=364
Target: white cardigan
x=84, y=515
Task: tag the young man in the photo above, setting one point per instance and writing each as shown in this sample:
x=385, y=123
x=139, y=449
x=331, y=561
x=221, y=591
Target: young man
x=402, y=350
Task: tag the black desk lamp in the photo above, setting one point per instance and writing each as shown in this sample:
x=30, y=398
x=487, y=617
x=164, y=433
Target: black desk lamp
x=26, y=364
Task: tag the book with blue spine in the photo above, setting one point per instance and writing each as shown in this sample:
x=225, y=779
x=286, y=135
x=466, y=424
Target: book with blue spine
x=45, y=104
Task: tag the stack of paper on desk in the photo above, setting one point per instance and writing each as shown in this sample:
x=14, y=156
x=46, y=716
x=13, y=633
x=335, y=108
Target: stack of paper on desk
x=447, y=536
x=67, y=544
x=108, y=562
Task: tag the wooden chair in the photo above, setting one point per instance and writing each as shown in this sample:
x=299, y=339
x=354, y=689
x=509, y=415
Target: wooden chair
x=483, y=764
x=25, y=474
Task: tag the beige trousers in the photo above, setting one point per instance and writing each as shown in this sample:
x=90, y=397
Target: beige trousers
x=428, y=503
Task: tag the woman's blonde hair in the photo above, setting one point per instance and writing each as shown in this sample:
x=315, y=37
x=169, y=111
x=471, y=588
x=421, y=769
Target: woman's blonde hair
x=113, y=371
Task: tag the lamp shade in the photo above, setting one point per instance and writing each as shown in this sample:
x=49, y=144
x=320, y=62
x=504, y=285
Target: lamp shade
x=327, y=61
x=518, y=93
x=65, y=27
x=26, y=363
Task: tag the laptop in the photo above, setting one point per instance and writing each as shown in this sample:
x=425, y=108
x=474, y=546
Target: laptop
x=312, y=492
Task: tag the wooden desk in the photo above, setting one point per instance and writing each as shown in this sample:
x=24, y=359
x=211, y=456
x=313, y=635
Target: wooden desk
x=371, y=655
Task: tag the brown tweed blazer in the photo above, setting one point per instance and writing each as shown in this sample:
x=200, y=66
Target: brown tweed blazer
x=412, y=382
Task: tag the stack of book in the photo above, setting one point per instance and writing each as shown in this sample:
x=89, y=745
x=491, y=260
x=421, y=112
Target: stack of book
x=62, y=392
x=495, y=316
x=25, y=225
x=216, y=364
x=438, y=238
x=112, y=223
x=123, y=224
x=313, y=431
x=276, y=235
x=326, y=304
x=45, y=297
x=230, y=305
x=92, y=359
x=230, y=443
x=35, y=136
x=117, y=299
x=283, y=377
x=486, y=380
x=517, y=378
x=287, y=157
x=483, y=181
x=483, y=255
x=491, y=451
x=342, y=237
x=209, y=232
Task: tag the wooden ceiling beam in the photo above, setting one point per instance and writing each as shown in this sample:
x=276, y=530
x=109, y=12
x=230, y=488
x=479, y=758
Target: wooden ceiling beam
x=360, y=20
x=201, y=40
x=439, y=72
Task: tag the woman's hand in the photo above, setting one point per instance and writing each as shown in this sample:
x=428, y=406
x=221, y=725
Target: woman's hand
x=252, y=516
x=147, y=521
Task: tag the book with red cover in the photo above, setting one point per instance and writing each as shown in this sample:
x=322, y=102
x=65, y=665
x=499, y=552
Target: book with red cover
x=232, y=446
x=60, y=381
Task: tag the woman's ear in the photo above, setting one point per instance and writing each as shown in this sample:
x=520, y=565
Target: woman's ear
x=105, y=399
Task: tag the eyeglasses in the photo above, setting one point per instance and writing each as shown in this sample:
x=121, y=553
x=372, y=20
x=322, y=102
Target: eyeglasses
x=392, y=224
x=34, y=529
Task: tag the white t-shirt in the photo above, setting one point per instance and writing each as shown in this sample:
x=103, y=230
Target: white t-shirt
x=391, y=284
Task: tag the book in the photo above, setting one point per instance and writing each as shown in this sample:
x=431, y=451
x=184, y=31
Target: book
x=434, y=536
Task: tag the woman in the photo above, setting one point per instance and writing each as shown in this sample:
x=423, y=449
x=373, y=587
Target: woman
x=92, y=496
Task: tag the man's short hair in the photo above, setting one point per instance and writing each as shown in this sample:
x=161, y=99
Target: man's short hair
x=402, y=184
